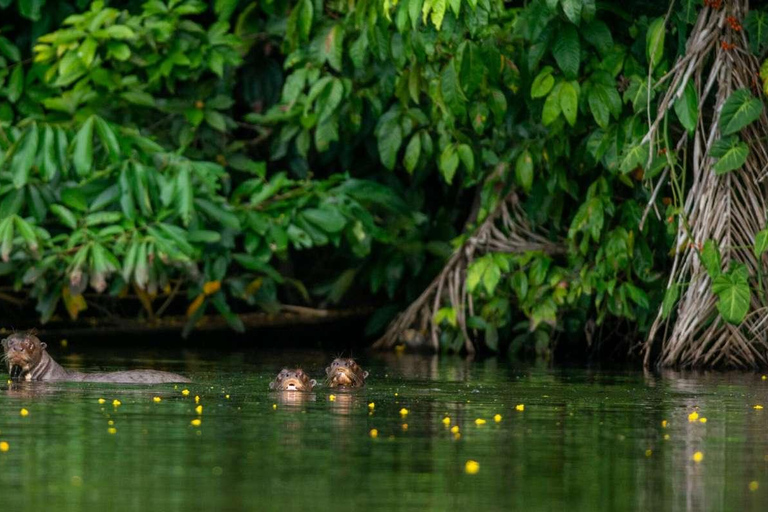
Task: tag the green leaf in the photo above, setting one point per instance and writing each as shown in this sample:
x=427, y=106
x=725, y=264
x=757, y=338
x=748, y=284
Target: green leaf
x=24, y=158
x=739, y=110
x=687, y=108
x=524, y=171
x=552, y=106
x=108, y=138
x=215, y=120
x=83, y=155
x=449, y=162
x=598, y=35
x=412, y=153
x=186, y=194
x=569, y=102
x=733, y=294
x=567, y=51
x=10, y=50
x=635, y=156
x=761, y=242
x=15, y=84
x=543, y=83
x=654, y=42
x=710, y=258
x=390, y=141
x=467, y=157
x=670, y=299
x=450, y=88
x=225, y=8
x=65, y=215
x=328, y=219
x=756, y=24
x=731, y=153
x=438, y=12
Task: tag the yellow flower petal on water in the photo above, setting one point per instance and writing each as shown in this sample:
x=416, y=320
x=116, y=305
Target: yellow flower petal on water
x=226, y=396
x=693, y=416
x=110, y=423
x=457, y=436
x=332, y=398
x=396, y=394
x=274, y=406
x=753, y=485
x=648, y=453
x=455, y=429
x=702, y=420
x=403, y=412
x=157, y=399
x=479, y=421
x=185, y=392
x=758, y=407
x=471, y=467
x=666, y=437
x=196, y=422
x=764, y=377
x=371, y=405
x=112, y=430
x=4, y=447
x=373, y=433
x=446, y=421
x=497, y=418
x=199, y=409
x=102, y=401
x=24, y=413
x=664, y=423
x=197, y=399
x=520, y=407
x=405, y=426
x=698, y=457
x=116, y=403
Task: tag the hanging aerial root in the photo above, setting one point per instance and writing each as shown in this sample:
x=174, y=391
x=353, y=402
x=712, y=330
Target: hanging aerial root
x=505, y=230
x=728, y=209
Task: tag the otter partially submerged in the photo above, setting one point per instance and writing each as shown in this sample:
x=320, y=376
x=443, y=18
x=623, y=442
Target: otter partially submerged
x=292, y=380
x=28, y=360
x=345, y=373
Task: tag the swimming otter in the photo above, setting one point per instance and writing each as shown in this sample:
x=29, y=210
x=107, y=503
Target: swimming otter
x=345, y=373
x=292, y=380
x=28, y=360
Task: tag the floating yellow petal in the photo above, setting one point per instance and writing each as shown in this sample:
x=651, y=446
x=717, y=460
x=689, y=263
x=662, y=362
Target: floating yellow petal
x=698, y=457
x=666, y=437
x=693, y=416
x=648, y=453
x=520, y=407
x=753, y=485
x=455, y=429
x=371, y=405
x=764, y=377
x=157, y=399
x=664, y=423
x=457, y=436
x=197, y=399
x=102, y=401
x=446, y=421
x=24, y=413
x=332, y=398
x=497, y=418
x=702, y=420
x=116, y=403
x=4, y=447
x=374, y=433
x=274, y=406
x=112, y=430
x=226, y=396
x=471, y=467
x=405, y=426
x=758, y=407
x=110, y=423
x=196, y=422
x=479, y=421
x=403, y=412
x=185, y=392
x=199, y=409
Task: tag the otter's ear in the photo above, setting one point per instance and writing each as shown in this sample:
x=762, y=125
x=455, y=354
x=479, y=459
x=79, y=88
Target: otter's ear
x=365, y=375
x=4, y=342
x=272, y=385
x=313, y=383
x=328, y=370
x=43, y=345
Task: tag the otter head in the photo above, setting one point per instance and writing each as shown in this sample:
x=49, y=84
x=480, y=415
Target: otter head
x=22, y=352
x=345, y=373
x=292, y=380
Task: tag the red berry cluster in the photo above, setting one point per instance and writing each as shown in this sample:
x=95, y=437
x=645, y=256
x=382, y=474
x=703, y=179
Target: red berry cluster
x=727, y=46
x=734, y=23
x=715, y=4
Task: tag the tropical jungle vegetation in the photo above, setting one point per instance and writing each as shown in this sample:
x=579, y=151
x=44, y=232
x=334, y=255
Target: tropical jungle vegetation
x=504, y=176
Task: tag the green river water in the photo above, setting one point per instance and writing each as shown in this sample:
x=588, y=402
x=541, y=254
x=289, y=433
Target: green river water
x=585, y=439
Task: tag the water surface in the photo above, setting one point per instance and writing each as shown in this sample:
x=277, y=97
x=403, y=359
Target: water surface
x=585, y=439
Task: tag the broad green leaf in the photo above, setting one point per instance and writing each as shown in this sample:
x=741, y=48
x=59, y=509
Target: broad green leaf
x=572, y=10
x=567, y=50
x=598, y=35
x=761, y=242
x=543, y=83
x=524, y=170
x=186, y=194
x=654, y=42
x=438, y=12
x=710, y=258
x=328, y=219
x=10, y=50
x=740, y=109
x=449, y=162
x=467, y=157
x=412, y=153
x=65, y=215
x=25, y=156
x=15, y=84
x=390, y=141
x=756, y=24
x=552, y=107
x=733, y=294
x=569, y=102
x=450, y=88
x=108, y=138
x=670, y=299
x=687, y=108
x=731, y=153
x=635, y=156
x=83, y=155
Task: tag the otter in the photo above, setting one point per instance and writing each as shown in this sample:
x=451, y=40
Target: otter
x=345, y=373
x=292, y=380
x=28, y=360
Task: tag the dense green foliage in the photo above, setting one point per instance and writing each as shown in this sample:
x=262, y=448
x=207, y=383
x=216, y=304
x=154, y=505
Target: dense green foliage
x=253, y=152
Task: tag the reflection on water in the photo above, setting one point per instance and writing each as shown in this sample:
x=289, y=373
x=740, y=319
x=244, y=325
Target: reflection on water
x=586, y=440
